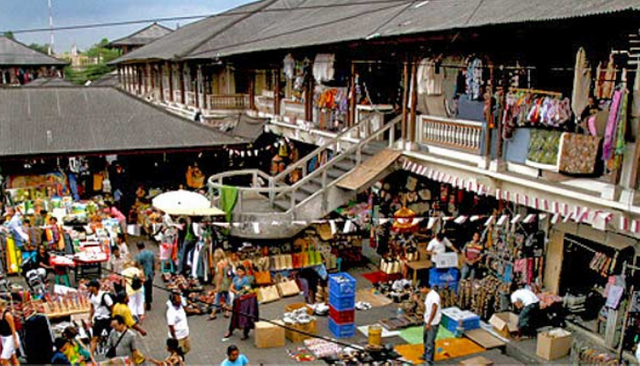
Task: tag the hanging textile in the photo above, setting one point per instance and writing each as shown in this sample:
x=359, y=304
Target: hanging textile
x=610, y=132
x=430, y=77
x=578, y=153
x=474, y=79
x=289, y=65
x=323, y=67
x=228, y=199
x=581, y=83
x=606, y=80
x=543, y=149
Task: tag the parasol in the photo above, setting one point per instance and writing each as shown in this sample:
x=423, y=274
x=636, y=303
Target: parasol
x=185, y=203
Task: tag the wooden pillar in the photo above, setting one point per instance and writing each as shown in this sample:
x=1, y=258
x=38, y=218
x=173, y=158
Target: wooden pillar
x=196, y=87
x=252, y=90
x=308, y=99
x=181, y=71
x=161, y=81
x=140, y=79
x=276, y=92
x=405, y=99
x=170, y=69
x=505, y=90
x=152, y=76
x=414, y=100
x=351, y=118
x=120, y=76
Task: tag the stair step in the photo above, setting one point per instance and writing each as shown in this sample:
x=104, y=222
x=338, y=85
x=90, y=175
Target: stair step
x=300, y=196
x=281, y=205
x=312, y=186
x=345, y=164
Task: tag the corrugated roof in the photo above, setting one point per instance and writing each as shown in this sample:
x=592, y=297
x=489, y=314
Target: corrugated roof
x=285, y=24
x=49, y=83
x=14, y=53
x=110, y=79
x=143, y=36
x=69, y=120
x=246, y=127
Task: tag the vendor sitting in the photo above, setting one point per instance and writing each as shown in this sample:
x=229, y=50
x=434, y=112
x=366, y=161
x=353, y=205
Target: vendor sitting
x=527, y=302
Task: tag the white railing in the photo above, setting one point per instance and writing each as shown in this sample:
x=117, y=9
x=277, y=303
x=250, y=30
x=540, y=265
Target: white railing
x=167, y=94
x=451, y=133
x=177, y=96
x=225, y=102
x=293, y=109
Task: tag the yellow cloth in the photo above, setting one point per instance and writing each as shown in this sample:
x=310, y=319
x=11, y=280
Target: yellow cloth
x=124, y=311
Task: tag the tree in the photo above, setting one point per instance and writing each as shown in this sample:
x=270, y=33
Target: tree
x=94, y=72
x=9, y=35
x=42, y=48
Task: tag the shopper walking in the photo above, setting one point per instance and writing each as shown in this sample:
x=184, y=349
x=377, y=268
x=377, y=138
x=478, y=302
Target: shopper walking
x=121, y=341
x=134, y=282
x=177, y=322
x=100, y=313
x=432, y=316
x=222, y=281
x=245, y=305
x=121, y=308
x=234, y=358
x=147, y=259
x=9, y=336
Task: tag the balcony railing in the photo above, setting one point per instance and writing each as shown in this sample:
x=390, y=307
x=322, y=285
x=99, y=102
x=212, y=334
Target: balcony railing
x=177, y=96
x=457, y=134
x=225, y=102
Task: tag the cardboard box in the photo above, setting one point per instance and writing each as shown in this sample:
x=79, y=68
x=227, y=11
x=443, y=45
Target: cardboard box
x=269, y=335
x=296, y=337
x=476, y=361
x=504, y=323
x=446, y=260
x=297, y=305
x=553, y=344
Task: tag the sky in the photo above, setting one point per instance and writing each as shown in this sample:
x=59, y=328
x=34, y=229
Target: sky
x=30, y=14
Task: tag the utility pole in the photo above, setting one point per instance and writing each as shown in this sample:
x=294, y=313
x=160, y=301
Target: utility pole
x=50, y=51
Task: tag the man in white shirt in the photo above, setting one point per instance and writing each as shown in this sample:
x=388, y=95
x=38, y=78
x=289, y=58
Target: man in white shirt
x=432, y=317
x=177, y=322
x=529, y=305
x=100, y=313
x=439, y=244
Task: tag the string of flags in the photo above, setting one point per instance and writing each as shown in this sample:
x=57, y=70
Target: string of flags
x=253, y=152
x=560, y=211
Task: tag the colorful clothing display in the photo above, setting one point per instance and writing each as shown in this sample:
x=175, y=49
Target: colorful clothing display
x=578, y=153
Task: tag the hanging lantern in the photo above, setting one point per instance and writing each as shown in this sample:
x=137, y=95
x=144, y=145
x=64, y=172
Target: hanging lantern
x=405, y=220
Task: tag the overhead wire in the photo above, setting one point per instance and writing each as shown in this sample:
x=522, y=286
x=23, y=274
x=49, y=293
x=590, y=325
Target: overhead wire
x=213, y=15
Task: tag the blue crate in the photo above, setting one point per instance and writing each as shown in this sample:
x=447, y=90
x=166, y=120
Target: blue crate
x=456, y=328
x=342, y=302
x=342, y=284
x=342, y=330
x=441, y=276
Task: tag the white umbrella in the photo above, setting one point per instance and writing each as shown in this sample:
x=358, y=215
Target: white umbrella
x=186, y=203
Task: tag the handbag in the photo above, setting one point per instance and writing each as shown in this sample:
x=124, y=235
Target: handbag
x=111, y=352
x=263, y=278
x=288, y=287
x=268, y=294
x=138, y=357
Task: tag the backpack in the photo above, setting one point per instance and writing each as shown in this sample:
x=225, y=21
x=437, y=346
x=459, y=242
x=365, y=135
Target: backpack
x=113, y=301
x=136, y=283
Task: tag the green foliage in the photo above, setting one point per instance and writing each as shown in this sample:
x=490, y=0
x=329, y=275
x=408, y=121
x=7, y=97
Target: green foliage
x=9, y=35
x=94, y=72
x=100, y=50
x=42, y=48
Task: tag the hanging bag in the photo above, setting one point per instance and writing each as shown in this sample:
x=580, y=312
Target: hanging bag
x=263, y=278
x=288, y=287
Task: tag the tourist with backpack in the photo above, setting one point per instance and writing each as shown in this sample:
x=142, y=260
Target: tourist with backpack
x=100, y=313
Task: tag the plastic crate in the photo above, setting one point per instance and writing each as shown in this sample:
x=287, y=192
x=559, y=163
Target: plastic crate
x=342, y=284
x=342, y=317
x=342, y=302
x=342, y=330
x=438, y=276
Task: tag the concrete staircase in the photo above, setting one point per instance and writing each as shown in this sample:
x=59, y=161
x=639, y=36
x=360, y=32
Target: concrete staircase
x=271, y=208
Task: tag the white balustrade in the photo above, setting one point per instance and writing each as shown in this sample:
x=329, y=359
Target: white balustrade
x=451, y=133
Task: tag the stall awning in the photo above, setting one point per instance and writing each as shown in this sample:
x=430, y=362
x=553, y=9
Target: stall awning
x=369, y=170
x=80, y=120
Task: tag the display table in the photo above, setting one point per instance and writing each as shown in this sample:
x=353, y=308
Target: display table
x=418, y=266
